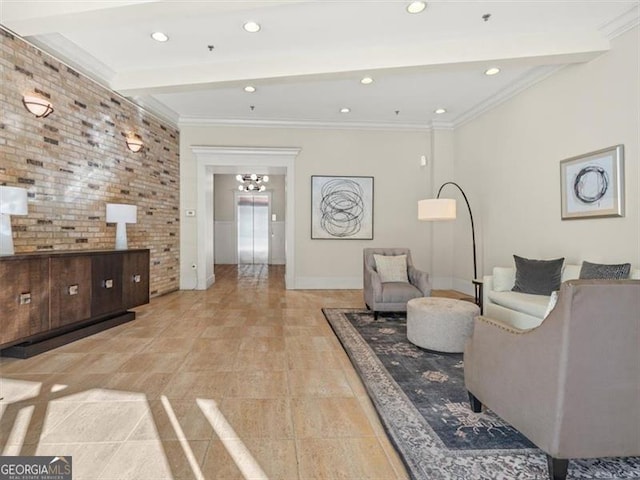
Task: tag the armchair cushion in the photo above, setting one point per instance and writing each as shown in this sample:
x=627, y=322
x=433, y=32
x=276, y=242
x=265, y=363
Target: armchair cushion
x=391, y=268
x=397, y=292
x=537, y=277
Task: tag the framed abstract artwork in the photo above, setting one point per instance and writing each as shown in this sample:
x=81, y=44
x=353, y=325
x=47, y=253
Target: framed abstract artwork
x=592, y=184
x=341, y=208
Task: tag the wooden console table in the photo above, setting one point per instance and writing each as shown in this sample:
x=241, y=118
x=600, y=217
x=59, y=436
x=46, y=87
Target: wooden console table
x=50, y=299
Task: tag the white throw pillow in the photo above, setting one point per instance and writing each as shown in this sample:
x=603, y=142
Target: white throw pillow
x=503, y=278
x=553, y=299
x=391, y=268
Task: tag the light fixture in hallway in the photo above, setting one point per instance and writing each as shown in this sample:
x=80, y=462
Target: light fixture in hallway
x=252, y=182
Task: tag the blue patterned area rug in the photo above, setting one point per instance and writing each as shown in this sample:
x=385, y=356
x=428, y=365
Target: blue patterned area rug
x=423, y=405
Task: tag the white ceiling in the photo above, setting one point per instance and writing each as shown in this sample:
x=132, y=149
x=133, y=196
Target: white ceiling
x=308, y=58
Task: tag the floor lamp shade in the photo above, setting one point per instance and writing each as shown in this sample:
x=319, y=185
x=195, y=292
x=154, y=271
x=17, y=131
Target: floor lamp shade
x=13, y=201
x=434, y=209
x=121, y=214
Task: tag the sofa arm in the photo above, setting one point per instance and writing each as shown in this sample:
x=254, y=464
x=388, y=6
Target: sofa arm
x=420, y=280
x=487, y=286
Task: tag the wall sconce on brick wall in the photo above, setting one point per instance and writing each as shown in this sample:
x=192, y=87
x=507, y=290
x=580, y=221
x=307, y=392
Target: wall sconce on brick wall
x=134, y=142
x=40, y=107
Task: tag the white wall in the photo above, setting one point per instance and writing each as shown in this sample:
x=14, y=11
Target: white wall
x=391, y=157
x=508, y=161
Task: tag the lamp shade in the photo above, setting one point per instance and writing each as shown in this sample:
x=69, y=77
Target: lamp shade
x=38, y=106
x=121, y=213
x=434, y=209
x=13, y=200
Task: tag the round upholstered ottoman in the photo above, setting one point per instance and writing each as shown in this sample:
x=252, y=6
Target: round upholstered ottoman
x=440, y=324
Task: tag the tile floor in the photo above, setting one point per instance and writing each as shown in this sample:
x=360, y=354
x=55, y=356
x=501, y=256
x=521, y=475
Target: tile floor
x=243, y=381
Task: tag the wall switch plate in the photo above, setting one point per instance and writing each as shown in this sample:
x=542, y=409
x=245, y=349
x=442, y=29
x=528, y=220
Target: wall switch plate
x=423, y=161
x=72, y=290
x=25, y=298
x=137, y=279
x=190, y=213
x=108, y=283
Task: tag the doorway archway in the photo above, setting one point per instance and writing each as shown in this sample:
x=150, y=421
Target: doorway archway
x=211, y=160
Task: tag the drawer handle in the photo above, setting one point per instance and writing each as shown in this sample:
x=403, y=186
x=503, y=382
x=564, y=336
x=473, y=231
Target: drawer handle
x=108, y=283
x=25, y=298
x=72, y=289
x=137, y=278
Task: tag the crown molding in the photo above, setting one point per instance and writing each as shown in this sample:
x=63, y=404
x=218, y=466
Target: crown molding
x=244, y=151
x=621, y=24
x=157, y=108
x=536, y=75
x=190, y=121
x=68, y=52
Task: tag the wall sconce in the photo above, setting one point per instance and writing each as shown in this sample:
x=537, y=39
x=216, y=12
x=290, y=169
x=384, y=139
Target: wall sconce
x=134, y=142
x=121, y=214
x=40, y=107
x=13, y=201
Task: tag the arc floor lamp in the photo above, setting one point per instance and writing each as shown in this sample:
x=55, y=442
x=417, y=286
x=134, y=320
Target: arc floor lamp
x=435, y=209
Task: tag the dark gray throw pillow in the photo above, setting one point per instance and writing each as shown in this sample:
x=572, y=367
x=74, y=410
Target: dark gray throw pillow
x=539, y=277
x=590, y=271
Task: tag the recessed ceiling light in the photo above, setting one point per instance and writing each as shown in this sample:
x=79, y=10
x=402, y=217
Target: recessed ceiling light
x=249, y=89
x=416, y=7
x=251, y=27
x=159, y=36
x=345, y=110
x=440, y=111
x=366, y=80
x=492, y=71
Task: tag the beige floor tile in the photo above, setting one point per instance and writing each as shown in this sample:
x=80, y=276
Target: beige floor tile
x=87, y=459
x=216, y=345
x=192, y=385
x=259, y=384
x=343, y=459
x=46, y=363
x=185, y=460
x=138, y=461
x=170, y=345
x=257, y=417
x=275, y=457
x=198, y=361
x=157, y=423
x=329, y=417
x=98, y=422
x=263, y=344
x=313, y=359
x=248, y=360
x=153, y=363
x=150, y=385
x=100, y=363
x=319, y=383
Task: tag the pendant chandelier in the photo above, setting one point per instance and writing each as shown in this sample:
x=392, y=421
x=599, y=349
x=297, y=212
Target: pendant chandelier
x=252, y=182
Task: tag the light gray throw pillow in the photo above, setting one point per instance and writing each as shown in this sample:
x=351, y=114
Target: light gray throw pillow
x=391, y=268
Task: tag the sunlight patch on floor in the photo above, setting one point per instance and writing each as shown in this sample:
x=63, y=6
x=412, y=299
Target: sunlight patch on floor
x=238, y=451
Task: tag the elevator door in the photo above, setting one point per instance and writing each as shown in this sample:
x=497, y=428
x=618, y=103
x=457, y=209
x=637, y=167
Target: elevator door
x=253, y=227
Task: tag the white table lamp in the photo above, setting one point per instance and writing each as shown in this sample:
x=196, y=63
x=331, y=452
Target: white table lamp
x=13, y=201
x=121, y=214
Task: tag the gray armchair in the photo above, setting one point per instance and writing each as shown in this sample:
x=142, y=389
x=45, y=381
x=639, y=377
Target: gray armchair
x=572, y=384
x=392, y=296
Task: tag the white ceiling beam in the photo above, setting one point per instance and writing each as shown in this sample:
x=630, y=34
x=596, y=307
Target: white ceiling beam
x=537, y=49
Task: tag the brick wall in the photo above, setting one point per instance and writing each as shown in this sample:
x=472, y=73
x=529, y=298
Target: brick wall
x=76, y=160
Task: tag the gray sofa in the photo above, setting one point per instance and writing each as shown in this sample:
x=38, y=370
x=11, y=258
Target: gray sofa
x=392, y=296
x=572, y=384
